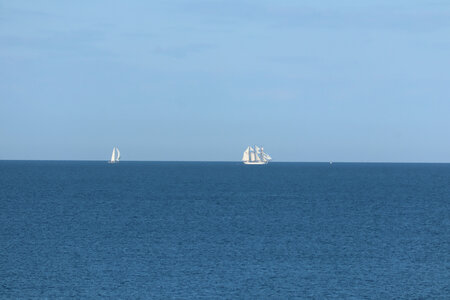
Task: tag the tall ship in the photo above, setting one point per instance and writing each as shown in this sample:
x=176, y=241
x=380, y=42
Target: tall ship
x=255, y=156
x=115, y=157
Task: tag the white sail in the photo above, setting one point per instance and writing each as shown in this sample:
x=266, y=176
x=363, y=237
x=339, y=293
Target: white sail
x=257, y=152
x=266, y=156
x=113, y=156
x=255, y=156
x=118, y=154
x=245, y=157
x=252, y=154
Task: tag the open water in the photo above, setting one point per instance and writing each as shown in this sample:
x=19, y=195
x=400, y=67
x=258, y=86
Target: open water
x=168, y=230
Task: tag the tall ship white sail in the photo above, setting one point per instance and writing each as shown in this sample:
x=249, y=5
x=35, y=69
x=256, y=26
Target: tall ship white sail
x=255, y=156
x=115, y=157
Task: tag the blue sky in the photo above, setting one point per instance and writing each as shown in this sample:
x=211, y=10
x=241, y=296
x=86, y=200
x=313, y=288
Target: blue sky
x=201, y=80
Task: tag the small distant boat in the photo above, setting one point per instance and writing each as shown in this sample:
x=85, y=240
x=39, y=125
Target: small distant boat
x=255, y=156
x=115, y=157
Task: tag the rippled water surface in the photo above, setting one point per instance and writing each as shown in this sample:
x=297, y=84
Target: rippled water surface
x=224, y=230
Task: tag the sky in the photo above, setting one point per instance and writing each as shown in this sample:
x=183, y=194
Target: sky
x=353, y=81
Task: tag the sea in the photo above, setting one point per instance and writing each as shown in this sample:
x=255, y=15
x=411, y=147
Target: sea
x=224, y=230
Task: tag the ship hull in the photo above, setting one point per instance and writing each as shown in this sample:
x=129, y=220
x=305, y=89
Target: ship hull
x=255, y=162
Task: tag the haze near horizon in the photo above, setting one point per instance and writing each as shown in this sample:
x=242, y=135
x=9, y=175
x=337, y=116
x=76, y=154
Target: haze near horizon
x=202, y=80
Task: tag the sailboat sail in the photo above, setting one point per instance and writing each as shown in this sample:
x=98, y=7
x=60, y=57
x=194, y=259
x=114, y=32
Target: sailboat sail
x=245, y=157
x=252, y=154
x=118, y=154
x=255, y=156
x=113, y=156
x=257, y=152
x=266, y=156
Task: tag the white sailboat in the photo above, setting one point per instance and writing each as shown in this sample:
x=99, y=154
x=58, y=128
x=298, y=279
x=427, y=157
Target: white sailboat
x=115, y=157
x=255, y=156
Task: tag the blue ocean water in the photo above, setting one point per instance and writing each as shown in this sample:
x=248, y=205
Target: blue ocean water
x=224, y=230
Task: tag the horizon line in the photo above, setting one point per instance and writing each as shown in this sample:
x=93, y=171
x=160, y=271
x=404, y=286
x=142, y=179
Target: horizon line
x=238, y=161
